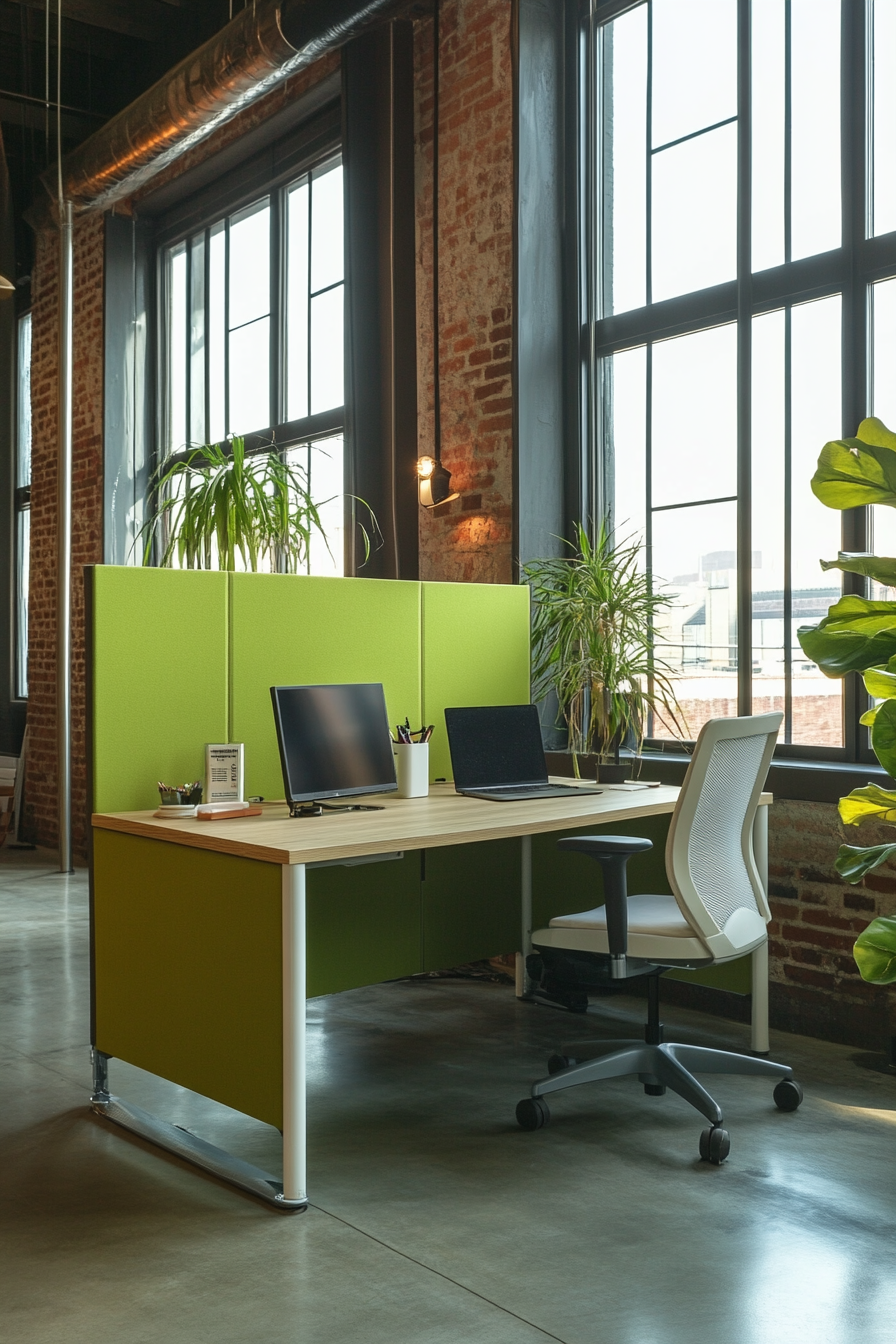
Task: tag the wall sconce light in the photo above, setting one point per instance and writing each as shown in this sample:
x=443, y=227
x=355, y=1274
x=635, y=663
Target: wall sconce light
x=434, y=482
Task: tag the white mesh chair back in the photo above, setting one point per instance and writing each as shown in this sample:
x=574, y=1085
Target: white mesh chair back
x=709, y=852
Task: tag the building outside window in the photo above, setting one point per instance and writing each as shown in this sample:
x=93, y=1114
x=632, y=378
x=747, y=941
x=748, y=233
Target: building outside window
x=253, y=338
x=741, y=311
x=22, y=505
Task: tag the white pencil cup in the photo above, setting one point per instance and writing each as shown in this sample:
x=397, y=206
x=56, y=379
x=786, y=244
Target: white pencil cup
x=412, y=768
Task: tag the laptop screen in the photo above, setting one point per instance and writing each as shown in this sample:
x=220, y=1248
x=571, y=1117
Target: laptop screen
x=495, y=745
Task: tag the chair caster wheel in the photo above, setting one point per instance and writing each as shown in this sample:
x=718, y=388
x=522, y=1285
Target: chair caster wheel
x=715, y=1145
x=788, y=1094
x=557, y=1063
x=532, y=1113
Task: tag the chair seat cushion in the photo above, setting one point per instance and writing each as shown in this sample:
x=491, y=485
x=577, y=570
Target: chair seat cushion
x=657, y=931
x=646, y=914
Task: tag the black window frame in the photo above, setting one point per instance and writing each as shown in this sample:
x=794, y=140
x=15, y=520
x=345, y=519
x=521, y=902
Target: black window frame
x=310, y=149
x=849, y=270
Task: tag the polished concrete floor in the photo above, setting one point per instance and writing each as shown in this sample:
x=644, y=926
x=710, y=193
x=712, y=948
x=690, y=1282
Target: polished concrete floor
x=434, y=1219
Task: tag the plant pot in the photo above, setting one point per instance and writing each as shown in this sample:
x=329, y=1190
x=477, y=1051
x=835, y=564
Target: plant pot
x=609, y=773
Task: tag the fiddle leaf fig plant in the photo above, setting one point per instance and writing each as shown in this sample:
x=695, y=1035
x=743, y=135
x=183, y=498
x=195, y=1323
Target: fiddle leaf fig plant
x=592, y=642
x=859, y=635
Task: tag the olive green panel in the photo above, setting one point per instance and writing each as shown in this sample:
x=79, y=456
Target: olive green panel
x=187, y=968
x=475, y=652
x=159, y=679
x=363, y=924
x=564, y=882
x=292, y=629
x=735, y=976
x=471, y=902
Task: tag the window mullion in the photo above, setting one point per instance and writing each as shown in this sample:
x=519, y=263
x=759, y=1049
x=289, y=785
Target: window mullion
x=787, y=598
x=744, y=362
x=648, y=162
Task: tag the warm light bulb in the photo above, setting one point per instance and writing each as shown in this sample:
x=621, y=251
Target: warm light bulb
x=425, y=467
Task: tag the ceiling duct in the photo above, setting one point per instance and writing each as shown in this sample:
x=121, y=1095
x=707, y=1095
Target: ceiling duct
x=266, y=42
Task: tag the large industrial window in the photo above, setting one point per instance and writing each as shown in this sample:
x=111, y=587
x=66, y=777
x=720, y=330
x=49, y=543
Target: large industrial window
x=253, y=338
x=740, y=208
x=22, y=509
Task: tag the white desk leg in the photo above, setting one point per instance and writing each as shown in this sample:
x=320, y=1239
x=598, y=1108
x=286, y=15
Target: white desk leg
x=522, y=979
x=294, y=988
x=760, y=1042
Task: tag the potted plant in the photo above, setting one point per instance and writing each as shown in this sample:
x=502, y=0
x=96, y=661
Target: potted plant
x=859, y=635
x=592, y=646
x=218, y=502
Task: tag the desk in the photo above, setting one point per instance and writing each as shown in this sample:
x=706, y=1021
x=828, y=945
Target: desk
x=293, y=846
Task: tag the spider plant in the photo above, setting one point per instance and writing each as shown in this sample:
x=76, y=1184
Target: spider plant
x=592, y=643
x=218, y=503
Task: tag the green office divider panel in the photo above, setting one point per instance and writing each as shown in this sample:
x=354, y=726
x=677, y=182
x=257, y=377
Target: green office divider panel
x=187, y=968
x=363, y=924
x=471, y=902
x=158, y=655
x=564, y=882
x=475, y=652
x=291, y=629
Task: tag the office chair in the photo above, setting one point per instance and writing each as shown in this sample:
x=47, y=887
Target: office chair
x=718, y=912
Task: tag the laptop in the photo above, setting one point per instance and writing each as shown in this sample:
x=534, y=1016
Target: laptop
x=496, y=753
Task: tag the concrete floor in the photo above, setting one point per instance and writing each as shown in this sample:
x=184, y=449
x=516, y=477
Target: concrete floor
x=433, y=1219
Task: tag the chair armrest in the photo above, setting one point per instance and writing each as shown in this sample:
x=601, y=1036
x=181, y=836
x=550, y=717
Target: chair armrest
x=599, y=845
x=612, y=852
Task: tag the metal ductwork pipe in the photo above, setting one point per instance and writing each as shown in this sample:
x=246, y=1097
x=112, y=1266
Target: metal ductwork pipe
x=264, y=44
x=64, y=543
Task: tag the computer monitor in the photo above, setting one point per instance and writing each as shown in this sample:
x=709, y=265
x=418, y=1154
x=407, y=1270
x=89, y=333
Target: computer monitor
x=334, y=743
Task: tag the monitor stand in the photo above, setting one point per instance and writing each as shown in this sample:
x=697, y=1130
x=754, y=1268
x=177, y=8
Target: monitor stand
x=318, y=809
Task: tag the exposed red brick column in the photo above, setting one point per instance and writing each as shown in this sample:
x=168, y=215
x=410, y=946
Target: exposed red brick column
x=815, y=984
x=469, y=539
x=87, y=512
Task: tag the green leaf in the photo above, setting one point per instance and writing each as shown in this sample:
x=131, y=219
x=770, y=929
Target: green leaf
x=875, y=951
x=874, y=431
x=851, y=473
x=870, y=802
x=877, y=567
x=854, y=862
x=880, y=682
x=856, y=634
x=883, y=736
x=869, y=716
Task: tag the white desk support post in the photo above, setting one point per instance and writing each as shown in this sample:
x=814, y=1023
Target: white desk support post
x=294, y=1054
x=522, y=978
x=759, y=1043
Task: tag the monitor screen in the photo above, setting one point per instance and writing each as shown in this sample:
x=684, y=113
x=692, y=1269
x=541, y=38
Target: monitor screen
x=334, y=741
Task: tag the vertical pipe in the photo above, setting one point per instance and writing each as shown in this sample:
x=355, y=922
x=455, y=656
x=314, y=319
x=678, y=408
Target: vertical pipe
x=437, y=375
x=64, y=543
x=294, y=1110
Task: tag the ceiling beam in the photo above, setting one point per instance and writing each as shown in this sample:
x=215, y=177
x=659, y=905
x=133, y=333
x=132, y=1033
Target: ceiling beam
x=148, y=21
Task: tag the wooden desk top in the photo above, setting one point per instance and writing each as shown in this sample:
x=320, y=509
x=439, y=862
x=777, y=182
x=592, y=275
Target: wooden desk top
x=444, y=818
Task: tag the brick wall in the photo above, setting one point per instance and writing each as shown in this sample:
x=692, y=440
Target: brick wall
x=87, y=524
x=470, y=538
x=815, y=984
